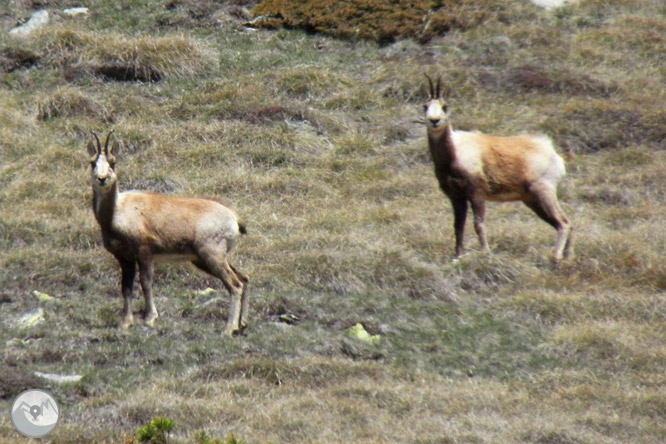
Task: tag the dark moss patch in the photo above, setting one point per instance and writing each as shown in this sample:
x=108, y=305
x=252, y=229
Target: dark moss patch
x=204, y=14
x=532, y=78
x=585, y=126
x=15, y=380
x=12, y=59
x=377, y=20
x=125, y=72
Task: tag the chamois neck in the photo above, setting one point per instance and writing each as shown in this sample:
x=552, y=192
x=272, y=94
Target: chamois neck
x=441, y=146
x=104, y=206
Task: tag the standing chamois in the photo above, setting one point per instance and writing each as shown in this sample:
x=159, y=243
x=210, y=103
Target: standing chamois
x=139, y=228
x=473, y=167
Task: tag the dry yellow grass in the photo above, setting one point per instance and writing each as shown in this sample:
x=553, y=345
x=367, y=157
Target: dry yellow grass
x=317, y=144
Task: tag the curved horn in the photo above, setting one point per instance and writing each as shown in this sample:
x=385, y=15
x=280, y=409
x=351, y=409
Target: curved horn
x=99, y=146
x=439, y=85
x=432, y=88
x=106, y=143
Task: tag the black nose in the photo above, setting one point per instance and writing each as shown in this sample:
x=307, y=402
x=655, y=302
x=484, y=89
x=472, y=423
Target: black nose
x=434, y=122
x=102, y=180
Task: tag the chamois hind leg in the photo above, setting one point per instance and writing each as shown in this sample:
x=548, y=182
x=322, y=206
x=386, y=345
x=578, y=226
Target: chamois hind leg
x=244, y=296
x=459, y=218
x=128, y=271
x=146, y=267
x=545, y=204
x=216, y=264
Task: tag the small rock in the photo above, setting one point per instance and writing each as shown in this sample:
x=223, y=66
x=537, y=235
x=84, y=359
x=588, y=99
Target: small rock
x=215, y=300
x=551, y=4
x=42, y=297
x=73, y=12
x=58, y=379
x=288, y=318
x=206, y=292
x=359, y=332
x=31, y=318
x=38, y=19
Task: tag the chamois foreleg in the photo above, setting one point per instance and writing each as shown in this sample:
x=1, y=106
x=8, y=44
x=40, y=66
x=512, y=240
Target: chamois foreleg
x=460, y=206
x=543, y=201
x=146, y=267
x=128, y=272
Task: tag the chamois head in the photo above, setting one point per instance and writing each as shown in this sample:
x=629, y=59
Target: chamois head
x=102, y=163
x=435, y=108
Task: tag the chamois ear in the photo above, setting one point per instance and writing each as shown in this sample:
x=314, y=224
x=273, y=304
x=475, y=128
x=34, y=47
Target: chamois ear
x=91, y=148
x=115, y=146
x=445, y=92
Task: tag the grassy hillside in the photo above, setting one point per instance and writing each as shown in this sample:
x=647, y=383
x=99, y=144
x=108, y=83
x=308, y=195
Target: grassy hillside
x=318, y=144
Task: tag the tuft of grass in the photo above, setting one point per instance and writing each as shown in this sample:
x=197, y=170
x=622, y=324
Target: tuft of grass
x=71, y=102
x=116, y=57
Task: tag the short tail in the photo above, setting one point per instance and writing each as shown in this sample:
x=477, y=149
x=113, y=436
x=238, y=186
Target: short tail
x=242, y=228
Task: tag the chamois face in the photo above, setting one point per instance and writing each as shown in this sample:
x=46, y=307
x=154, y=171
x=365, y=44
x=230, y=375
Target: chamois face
x=436, y=109
x=102, y=171
x=436, y=114
x=102, y=164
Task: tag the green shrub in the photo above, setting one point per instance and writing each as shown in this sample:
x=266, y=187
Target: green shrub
x=156, y=432
x=203, y=438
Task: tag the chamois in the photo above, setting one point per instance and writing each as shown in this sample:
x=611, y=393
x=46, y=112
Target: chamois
x=140, y=228
x=473, y=167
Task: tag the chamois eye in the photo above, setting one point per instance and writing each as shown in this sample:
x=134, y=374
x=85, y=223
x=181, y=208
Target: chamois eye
x=446, y=108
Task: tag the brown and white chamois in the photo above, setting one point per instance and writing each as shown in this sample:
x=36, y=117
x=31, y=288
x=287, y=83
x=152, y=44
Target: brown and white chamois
x=473, y=167
x=140, y=228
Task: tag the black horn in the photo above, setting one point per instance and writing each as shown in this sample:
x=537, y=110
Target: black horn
x=99, y=146
x=432, y=88
x=106, y=143
x=439, y=85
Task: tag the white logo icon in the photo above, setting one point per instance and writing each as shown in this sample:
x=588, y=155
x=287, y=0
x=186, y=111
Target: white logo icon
x=35, y=413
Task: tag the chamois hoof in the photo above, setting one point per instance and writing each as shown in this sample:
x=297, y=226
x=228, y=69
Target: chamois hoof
x=127, y=323
x=456, y=259
x=150, y=319
x=234, y=331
